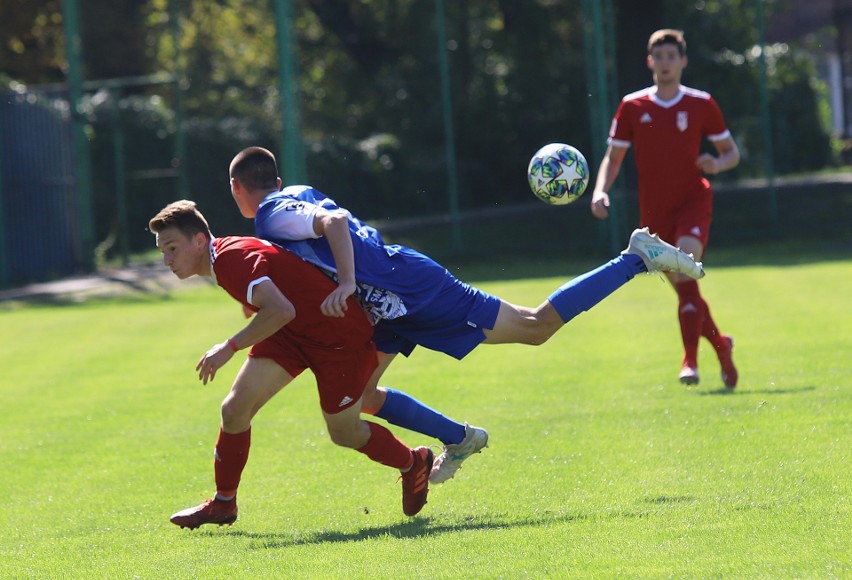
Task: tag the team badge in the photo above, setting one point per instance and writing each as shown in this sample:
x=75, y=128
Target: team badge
x=682, y=121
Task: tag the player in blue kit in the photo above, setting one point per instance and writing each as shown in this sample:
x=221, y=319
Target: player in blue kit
x=416, y=301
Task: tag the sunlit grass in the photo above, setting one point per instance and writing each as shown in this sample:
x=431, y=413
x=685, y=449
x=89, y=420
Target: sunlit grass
x=600, y=463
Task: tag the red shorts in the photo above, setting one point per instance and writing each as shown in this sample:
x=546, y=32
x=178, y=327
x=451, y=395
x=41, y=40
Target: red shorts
x=692, y=219
x=341, y=373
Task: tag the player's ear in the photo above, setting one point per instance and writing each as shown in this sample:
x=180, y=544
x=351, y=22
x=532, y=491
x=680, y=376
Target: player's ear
x=650, y=62
x=279, y=182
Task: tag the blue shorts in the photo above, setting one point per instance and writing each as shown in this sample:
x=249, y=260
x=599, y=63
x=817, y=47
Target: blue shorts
x=452, y=322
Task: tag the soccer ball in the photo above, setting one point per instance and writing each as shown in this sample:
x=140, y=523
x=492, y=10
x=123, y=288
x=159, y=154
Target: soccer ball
x=558, y=174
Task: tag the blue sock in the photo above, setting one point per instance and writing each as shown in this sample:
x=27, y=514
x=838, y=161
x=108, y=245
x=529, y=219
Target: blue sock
x=405, y=411
x=583, y=292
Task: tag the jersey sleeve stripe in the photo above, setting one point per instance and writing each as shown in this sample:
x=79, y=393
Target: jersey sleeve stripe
x=251, y=286
x=618, y=143
x=719, y=136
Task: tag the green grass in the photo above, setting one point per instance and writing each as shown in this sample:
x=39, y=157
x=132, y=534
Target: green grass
x=600, y=463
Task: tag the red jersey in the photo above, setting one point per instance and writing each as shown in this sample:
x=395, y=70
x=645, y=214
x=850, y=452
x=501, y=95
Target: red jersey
x=240, y=263
x=666, y=137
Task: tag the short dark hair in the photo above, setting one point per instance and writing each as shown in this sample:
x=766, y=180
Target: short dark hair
x=668, y=36
x=255, y=168
x=184, y=216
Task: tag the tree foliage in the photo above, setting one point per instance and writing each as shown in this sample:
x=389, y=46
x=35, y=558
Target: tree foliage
x=369, y=88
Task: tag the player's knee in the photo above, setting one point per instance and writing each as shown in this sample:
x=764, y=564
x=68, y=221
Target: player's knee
x=373, y=399
x=233, y=415
x=344, y=437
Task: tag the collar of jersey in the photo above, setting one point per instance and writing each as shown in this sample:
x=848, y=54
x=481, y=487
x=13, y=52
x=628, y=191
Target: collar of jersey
x=212, y=260
x=667, y=104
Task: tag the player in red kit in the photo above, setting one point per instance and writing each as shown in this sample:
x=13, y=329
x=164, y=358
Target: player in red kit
x=666, y=124
x=287, y=334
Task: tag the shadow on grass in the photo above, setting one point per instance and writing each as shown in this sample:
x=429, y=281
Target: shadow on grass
x=666, y=499
x=732, y=392
x=418, y=527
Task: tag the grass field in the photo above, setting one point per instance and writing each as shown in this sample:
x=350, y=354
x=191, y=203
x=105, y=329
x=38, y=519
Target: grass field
x=600, y=463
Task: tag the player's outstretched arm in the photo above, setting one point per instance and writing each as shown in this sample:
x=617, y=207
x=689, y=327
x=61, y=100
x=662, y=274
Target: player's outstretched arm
x=274, y=311
x=334, y=225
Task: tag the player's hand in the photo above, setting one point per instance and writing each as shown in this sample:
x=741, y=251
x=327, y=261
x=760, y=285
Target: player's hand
x=213, y=360
x=335, y=304
x=600, y=203
x=708, y=164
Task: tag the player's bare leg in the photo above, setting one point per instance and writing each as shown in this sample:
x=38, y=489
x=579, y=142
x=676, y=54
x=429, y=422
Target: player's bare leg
x=346, y=427
x=348, y=430
x=375, y=396
x=258, y=380
x=256, y=383
x=523, y=325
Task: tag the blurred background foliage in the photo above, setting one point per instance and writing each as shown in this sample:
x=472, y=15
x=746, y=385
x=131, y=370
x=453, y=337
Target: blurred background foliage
x=369, y=93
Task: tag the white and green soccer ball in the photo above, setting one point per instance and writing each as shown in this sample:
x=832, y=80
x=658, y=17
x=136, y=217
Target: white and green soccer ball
x=558, y=174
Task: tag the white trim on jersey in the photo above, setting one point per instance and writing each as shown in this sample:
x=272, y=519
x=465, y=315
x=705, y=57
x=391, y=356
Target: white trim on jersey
x=720, y=136
x=640, y=93
x=651, y=93
x=252, y=284
x=212, y=261
x=294, y=220
x=619, y=143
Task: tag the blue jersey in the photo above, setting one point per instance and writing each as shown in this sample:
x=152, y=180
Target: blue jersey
x=392, y=280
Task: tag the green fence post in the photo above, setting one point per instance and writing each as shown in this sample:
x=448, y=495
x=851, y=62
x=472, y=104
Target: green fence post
x=449, y=130
x=766, y=121
x=120, y=176
x=73, y=50
x=4, y=273
x=292, y=159
x=597, y=40
x=179, y=161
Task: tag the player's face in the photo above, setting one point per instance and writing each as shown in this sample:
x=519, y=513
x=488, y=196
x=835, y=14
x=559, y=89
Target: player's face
x=182, y=255
x=666, y=63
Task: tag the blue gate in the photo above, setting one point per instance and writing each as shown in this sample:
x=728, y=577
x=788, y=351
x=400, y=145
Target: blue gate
x=38, y=227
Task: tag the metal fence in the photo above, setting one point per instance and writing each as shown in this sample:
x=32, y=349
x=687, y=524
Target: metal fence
x=39, y=237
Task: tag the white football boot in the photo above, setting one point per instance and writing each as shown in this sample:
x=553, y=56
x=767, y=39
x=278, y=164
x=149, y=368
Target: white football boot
x=660, y=256
x=446, y=465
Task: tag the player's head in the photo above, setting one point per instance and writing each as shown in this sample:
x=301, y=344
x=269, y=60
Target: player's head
x=668, y=36
x=183, y=237
x=254, y=175
x=255, y=168
x=667, y=56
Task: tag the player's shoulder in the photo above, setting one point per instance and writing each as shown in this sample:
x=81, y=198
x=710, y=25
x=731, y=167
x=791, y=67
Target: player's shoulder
x=691, y=93
x=642, y=94
x=296, y=197
x=242, y=245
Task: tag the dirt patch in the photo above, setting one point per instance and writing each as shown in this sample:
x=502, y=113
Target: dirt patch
x=106, y=283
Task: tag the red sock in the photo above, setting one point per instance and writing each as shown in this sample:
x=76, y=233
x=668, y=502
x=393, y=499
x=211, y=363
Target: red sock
x=710, y=331
x=690, y=312
x=383, y=447
x=231, y=454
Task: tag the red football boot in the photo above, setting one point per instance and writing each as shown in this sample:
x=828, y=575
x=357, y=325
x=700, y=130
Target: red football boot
x=730, y=376
x=415, y=481
x=212, y=511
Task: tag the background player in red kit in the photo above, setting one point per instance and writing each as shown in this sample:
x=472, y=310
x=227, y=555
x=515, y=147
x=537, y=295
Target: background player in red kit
x=666, y=124
x=287, y=334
